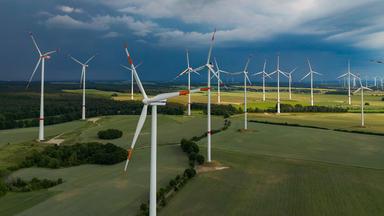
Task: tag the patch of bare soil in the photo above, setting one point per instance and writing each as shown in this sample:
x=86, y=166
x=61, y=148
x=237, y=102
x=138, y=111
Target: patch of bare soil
x=94, y=120
x=210, y=167
x=55, y=140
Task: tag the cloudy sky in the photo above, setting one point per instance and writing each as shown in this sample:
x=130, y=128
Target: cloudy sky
x=328, y=32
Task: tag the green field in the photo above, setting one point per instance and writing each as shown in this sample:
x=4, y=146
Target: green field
x=280, y=170
x=85, y=185
x=374, y=122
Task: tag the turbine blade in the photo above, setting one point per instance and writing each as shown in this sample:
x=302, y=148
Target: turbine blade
x=34, y=71
x=200, y=68
x=317, y=73
x=211, y=46
x=182, y=73
x=246, y=76
x=214, y=73
x=343, y=75
x=247, y=63
x=49, y=53
x=367, y=88
x=290, y=73
x=123, y=66
x=217, y=66
x=135, y=75
x=34, y=42
x=90, y=59
x=187, y=58
x=139, y=126
x=272, y=73
x=309, y=63
x=357, y=90
x=305, y=76
x=74, y=59
x=258, y=73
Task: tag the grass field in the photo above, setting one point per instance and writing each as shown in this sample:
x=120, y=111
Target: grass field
x=84, y=186
x=280, y=170
x=374, y=122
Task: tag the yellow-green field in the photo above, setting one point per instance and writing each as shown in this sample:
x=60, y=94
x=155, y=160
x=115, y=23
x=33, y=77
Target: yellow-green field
x=236, y=98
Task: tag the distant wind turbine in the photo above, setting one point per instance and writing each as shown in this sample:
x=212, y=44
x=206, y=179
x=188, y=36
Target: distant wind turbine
x=209, y=66
x=290, y=83
x=278, y=72
x=219, y=82
x=348, y=75
x=263, y=74
x=246, y=79
x=82, y=80
x=42, y=58
x=361, y=89
x=188, y=71
x=310, y=73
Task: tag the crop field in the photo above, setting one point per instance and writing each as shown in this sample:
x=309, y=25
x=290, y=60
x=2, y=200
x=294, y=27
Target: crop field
x=236, y=98
x=374, y=122
x=302, y=171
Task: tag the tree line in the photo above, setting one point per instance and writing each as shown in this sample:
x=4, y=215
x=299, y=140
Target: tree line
x=22, y=110
x=20, y=185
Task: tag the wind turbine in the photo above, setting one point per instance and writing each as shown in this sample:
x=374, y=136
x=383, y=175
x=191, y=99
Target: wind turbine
x=290, y=83
x=42, y=58
x=246, y=79
x=158, y=100
x=125, y=67
x=278, y=72
x=362, y=100
x=219, y=83
x=82, y=79
x=310, y=73
x=210, y=70
x=348, y=74
x=263, y=75
x=188, y=71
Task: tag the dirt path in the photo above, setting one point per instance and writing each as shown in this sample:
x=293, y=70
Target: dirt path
x=210, y=167
x=56, y=140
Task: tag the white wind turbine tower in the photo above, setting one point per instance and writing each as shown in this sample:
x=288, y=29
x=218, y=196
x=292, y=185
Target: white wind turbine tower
x=246, y=79
x=278, y=72
x=290, y=83
x=219, y=82
x=362, y=100
x=188, y=71
x=82, y=79
x=263, y=75
x=42, y=58
x=348, y=75
x=310, y=73
x=125, y=67
x=158, y=100
x=210, y=70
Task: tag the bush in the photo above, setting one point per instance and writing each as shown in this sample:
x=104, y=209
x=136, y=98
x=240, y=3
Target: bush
x=200, y=159
x=19, y=185
x=366, y=104
x=3, y=188
x=110, y=134
x=189, y=173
